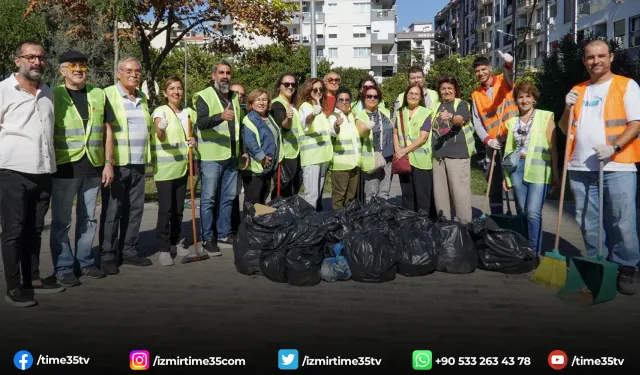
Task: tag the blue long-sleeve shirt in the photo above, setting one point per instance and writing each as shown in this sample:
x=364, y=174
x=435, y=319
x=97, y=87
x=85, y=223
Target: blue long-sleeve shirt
x=267, y=146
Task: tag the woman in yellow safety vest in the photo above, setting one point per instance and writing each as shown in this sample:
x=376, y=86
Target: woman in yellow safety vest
x=316, y=150
x=365, y=84
x=262, y=140
x=411, y=137
x=170, y=156
x=377, y=146
x=530, y=140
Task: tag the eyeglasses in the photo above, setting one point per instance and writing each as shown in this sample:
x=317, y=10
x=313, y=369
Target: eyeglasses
x=344, y=100
x=374, y=97
x=32, y=58
x=288, y=85
x=82, y=67
x=130, y=72
x=318, y=91
x=333, y=80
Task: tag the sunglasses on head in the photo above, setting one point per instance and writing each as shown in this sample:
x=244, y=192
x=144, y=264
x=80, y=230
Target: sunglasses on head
x=288, y=85
x=318, y=91
x=372, y=97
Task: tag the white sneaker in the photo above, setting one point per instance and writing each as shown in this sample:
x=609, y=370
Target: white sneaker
x=165, y=259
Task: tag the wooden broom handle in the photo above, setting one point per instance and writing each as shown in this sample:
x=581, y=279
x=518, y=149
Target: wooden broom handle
x=193, y=210
x=564, y=178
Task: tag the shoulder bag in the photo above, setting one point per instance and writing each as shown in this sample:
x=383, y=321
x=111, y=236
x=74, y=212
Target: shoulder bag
x=402, y=165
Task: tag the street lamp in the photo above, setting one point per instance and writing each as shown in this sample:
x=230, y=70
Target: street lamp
x=444, y=45
x=513, y=45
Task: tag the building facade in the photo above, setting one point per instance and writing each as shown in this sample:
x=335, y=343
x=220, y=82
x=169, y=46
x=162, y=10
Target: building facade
x=416, y=40
x=456, y=28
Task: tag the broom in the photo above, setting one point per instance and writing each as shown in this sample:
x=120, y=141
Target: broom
x=552, y=271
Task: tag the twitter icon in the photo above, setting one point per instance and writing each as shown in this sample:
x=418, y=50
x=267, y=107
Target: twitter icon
x=288, y=359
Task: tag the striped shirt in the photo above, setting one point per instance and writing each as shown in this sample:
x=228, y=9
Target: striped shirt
x=137, y=125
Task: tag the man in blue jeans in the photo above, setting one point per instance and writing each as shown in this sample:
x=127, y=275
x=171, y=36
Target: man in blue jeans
x=219, y=118
x=605, y=128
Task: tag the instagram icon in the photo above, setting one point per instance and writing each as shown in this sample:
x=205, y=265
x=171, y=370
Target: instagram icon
x=139, y=360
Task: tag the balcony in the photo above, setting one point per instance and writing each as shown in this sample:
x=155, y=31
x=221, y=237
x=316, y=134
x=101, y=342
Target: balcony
x=454, y=41
x=527, y=4
x=440, y=34
x=591, y=7
x=307, y=42
x=295, y=20
x=485, y=21
x=528, y=64
x=383, y=15
x=379, y=38
x=306, y=17
x=383, y=60
x=509, y=11
x=484, y=48
x=454, y=21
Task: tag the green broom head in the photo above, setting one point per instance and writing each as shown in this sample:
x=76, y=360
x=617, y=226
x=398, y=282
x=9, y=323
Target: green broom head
x=555, y=254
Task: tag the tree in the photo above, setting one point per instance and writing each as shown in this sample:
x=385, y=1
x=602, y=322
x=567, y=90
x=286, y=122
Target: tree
x=459, y=68
x=173, y=19
x=350, y=78
x=392, y=87
x=407, y=59
x=14, y=30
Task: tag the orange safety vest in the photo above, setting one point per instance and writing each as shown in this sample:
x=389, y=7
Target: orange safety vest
x=494, y=112
x=615, y=119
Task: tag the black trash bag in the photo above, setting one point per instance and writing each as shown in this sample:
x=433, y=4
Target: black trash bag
x=246, y=254
x=456, y=251
x=416, y=246
x=272, y=264
x=304, y=256
x=371, y=255
x=357, y=217
x=293, y=207
x=501, y=250
x=387, y=211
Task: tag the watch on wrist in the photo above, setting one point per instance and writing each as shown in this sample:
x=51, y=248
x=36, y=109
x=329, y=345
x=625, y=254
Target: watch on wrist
x=108, y=161
x=616, y=148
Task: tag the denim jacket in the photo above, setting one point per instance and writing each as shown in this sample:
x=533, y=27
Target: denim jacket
x=269, y=145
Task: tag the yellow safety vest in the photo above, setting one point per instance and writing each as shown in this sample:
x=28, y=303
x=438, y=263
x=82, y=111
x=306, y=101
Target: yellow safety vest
x=467, y=129
x=315, y=143
x=71, y=140
x=421, y=156
x=290, y=138
x=367, y=161
x=171, y=157
x=346, y=146
x=215, y=144
x=254, y=165
x=120, y=128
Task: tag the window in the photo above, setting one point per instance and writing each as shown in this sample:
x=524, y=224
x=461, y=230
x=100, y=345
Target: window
x=359, y=31
x=320, y=52
x=619, y=32
x=295, y=30
x=362, y=7
x=320, y=36
x=333, y=32
x=332, y=6
x=361, y=51
x=333, y=53
x=568, y=11
x=539, y=16
x=634, y=31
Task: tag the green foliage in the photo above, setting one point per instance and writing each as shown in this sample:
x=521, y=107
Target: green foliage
x=460, y=68
x=14, y=29
x=350, y=78
x=392, y=87
x=407, y=59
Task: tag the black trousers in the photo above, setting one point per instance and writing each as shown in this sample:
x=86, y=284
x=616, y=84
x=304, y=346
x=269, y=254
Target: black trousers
x=417, y=188
x=171, y=195
x=256, y=188
x=121, y=214
x=24, y=202
x=295, y=173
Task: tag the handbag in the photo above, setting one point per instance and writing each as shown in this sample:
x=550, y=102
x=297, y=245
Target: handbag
x=402, y=165
x=379, y=160
x=511, y=161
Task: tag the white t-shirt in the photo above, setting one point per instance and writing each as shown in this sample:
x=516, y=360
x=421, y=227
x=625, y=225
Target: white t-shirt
x=182, y=116
x=591, y=131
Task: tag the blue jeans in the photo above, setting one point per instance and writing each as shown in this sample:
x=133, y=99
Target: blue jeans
x=219, y=180
x=620, y=234
x=530, y=199
x=64, y=192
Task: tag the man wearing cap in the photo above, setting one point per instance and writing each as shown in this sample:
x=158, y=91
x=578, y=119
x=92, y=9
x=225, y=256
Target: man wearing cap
x=83, y=143
x=27, y=161
x=123, y=200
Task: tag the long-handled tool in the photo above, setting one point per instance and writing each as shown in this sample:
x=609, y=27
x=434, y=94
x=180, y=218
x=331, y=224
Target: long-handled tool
x=552, y=271
x=279, y=175
x=590, y=280
x=194, y=255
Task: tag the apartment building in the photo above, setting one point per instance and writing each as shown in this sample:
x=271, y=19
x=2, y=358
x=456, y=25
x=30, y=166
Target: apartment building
x=418, y=37
x=456, y=28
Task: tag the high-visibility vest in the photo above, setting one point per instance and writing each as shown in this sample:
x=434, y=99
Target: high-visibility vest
x=215, y=144
x=537, y=164
x=315, y=143
x=71, y=140
x=467, y=128
x=494, y=112
x=346, y=146
x=358, y=107
x=290, y=139
x=367, y=160
x=420, y=157
x=171, y=156
x=433, y=96
x=615, y=119
x=254, y=165
x=120, y=128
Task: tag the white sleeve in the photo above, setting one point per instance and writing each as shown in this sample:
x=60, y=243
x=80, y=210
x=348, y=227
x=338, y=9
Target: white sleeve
x=631, y=100
x=304, y=112
x=158, y=114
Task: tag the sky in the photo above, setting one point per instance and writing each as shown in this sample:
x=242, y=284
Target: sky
x=410, y=11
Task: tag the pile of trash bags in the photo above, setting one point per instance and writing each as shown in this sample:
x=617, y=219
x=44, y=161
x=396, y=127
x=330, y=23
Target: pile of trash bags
x=369, y=243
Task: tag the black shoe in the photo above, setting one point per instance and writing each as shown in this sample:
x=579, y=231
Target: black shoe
x=625, y=280
x=211, y=248
x=226, y=240
x=173, y=250
x=48, y=285
x=137, y=261
x=20, y=297
x=68, y=280
x=109, y=267
x=93, y=272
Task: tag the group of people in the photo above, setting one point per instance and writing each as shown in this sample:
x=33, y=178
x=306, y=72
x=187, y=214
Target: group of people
x=63, y=146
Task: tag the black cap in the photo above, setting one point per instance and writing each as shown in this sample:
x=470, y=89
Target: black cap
x=72, y=56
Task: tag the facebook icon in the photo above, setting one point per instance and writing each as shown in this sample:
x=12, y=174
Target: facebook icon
x=23, y=360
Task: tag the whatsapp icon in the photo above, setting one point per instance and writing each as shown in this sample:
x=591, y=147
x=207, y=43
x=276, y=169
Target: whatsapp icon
x=421, y=360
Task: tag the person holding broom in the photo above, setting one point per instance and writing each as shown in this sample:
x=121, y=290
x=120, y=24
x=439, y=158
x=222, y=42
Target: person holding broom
x=170, y=155
x=605, y=127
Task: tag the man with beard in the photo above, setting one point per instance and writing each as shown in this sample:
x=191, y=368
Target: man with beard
x=84, y=152
x=27, y=160
x=123, y=201
x=219, y=118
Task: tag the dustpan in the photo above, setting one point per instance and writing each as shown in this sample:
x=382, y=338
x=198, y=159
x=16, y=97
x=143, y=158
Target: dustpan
x=591, y=280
